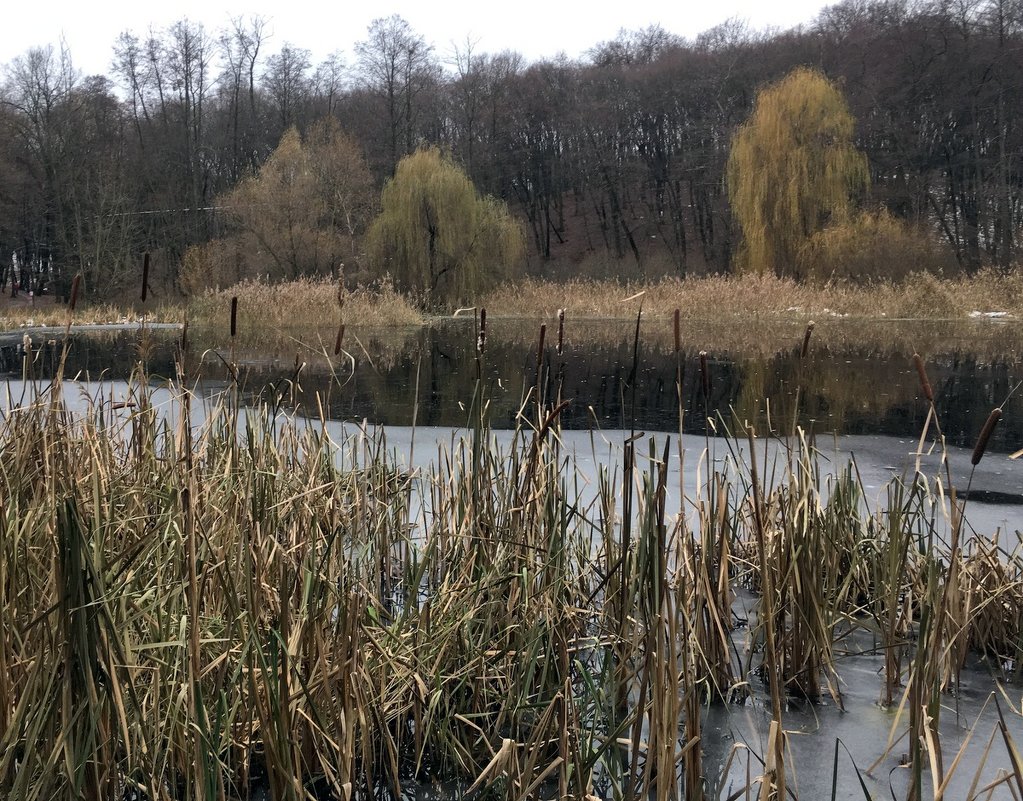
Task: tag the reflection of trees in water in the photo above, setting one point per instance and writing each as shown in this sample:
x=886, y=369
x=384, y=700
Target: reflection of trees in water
x=842, y=389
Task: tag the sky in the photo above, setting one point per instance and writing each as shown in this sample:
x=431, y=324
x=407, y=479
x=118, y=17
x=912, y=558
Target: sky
x=535, y=28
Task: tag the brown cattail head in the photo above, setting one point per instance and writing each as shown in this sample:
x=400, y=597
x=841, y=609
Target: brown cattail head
x=145, y=276
x=234, y=315
x=803, y=351
x=678, y=331
x=341, y=295
x=184, y=336
x=76, y=284
x=561, y=331
x=540, y=341
x=704, y=374
x=985, y=435
x=925, y=385
x=481, y=342
x=340, y=336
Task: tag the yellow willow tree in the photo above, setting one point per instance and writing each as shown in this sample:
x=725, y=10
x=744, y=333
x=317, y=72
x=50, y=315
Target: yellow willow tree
x=792, y=171
x=437, y=237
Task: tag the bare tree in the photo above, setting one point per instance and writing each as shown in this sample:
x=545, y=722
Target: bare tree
x=396, y=65
x=287, y=83
x=239, y=47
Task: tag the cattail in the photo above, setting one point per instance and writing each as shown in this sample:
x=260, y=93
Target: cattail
x=925, y=385
x=985, y=435
x=678, y=331
x=340, y=336
x=145, y=276
x=481, y=342
x=75, y=285
x=234, y=315
x=704, y=374
x=561, y=331
x=341, y=296
x=184, y=336
x=806, y=340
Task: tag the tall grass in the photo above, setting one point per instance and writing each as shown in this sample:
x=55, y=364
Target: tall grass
x=920, y=296
x=199, y=609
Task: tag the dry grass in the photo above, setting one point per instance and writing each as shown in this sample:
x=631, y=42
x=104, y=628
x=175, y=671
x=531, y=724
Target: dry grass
x=751, y=297
x=14, y=315
x=306, y=303
x=776, y=307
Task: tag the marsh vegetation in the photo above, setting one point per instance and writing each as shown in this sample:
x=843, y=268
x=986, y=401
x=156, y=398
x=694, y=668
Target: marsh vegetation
x=248, y=601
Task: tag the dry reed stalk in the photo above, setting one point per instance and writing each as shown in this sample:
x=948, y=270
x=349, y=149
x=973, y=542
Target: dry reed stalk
x=804, y=350
x=704, y=375
x=774, y=786
x=145, y=276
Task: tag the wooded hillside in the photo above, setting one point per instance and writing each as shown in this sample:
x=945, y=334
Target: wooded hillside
x=615, y=164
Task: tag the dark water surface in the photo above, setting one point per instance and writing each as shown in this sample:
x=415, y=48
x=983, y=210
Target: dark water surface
x=428, y=376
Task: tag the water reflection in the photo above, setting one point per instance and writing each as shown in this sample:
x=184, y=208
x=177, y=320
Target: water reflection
x=428, y=375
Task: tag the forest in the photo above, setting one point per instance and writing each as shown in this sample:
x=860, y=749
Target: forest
x=615, y=164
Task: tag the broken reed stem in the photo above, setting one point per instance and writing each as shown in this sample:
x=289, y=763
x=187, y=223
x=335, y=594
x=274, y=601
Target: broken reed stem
x=539, y=359
x=805, y=349
x=145, y=276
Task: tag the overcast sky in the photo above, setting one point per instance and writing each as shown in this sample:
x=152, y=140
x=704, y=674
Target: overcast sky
x=535, y=28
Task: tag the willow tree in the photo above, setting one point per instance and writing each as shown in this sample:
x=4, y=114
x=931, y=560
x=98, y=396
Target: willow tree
x=436, y=236
x=792, y=170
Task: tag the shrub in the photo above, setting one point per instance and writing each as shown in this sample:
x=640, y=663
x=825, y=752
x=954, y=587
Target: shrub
x=872, y=246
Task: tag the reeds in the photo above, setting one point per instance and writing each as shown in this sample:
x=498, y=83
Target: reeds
x=758, y=297
x=189, y=611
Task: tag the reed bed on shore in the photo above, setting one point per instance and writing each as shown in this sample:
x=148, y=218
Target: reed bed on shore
x=301, y=305
x=46, y=312
x=920, y=297
x=203, y=608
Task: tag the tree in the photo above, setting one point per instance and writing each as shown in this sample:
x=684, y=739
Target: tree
x=300, y=216
x=792, y=170
x=437, y=236
x=397, y=66
x=287, y=83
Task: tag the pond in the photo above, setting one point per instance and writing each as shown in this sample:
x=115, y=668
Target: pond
x=857, y=398
x=858, y=384
x=864, y=390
